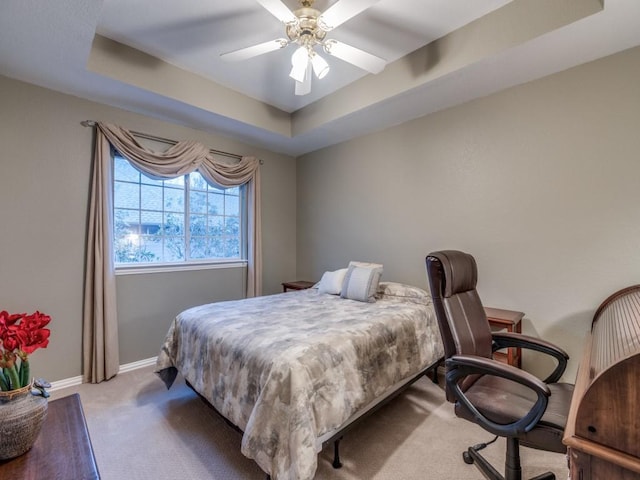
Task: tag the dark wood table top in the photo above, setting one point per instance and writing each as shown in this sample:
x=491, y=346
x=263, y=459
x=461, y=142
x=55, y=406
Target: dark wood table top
x=297, y=285
x=62, y=450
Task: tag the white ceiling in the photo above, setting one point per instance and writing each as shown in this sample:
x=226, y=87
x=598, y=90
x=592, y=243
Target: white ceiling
x=50, y=44
x=192, y=34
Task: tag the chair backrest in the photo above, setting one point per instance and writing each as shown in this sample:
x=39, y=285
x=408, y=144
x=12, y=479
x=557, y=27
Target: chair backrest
x=461, y=317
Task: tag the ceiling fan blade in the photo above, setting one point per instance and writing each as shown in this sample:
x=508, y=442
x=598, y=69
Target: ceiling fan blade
x=304, y=87
x=341, y=11
x=255, y=50
x=279, y=10
x=355, y=56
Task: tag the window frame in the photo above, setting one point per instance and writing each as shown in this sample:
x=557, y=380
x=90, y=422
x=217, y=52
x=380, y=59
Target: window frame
x=188, y=264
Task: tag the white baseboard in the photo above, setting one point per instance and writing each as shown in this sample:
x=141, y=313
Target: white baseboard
x=127, y=367
x=139, y=364
x=67, y=382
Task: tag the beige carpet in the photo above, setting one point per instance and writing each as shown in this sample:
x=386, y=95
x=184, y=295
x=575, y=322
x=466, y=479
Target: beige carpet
x=142, y=431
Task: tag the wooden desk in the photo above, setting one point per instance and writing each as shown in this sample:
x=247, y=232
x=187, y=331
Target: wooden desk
x=62, y=450
x=297, y=285
x=511, y=321
x=604, y=417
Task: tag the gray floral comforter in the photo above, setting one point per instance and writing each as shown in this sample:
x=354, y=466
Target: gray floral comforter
x=288, y=368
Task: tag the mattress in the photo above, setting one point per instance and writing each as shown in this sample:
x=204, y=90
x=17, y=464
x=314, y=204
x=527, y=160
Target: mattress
x=290, y=369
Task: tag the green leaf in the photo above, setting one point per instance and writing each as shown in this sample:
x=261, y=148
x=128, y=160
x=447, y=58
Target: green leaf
x=4, y=382
x=13, y=377
x=24, y=373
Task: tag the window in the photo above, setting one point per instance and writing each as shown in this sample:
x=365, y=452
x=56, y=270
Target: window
x=175, y=221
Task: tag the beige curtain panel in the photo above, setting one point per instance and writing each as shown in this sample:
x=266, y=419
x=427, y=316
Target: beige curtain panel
x=100, y=330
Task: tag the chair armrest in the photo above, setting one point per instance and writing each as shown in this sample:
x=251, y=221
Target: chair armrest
x=506, y=339
x=460, y=366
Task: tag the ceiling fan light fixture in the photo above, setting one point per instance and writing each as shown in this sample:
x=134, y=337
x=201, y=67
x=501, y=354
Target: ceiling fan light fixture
x=307, y=28
x=298, y=73
x=304, y=87
x=300, y=57
x=299, y=64
x=320, y=66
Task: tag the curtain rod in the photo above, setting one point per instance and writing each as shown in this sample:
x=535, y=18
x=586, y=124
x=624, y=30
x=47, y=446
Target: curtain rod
x=92, y=123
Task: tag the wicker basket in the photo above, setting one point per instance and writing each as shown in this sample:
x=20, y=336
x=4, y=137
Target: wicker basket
x=21, y=418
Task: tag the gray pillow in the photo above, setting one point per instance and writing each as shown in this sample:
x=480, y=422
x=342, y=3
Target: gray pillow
x=361, y=281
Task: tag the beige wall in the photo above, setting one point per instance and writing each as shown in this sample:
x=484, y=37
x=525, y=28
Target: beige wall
x=44, y=176
x=541, y=183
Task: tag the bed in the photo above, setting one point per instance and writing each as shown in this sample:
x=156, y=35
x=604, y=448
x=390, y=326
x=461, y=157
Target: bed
x=293, y=370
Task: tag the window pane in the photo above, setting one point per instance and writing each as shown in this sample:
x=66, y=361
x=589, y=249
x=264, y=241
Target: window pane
x=198, y=202
x=132, y=248
x=174, y=224
x=232, y=226
x=216, y=225
x=173, y=200
x=126, y=195
x=151, y=197
x=126, y=221
x=233, y=191
x=197, y=182
x=198, y=224
x=152, y=248
x=216, y=247
x=198, y=247
x=216, y=204
x=175, y=182
x=149, y=181
x=151, y=223
x=231, y=205
x=232, y=248
x=174, y=249
x=122, y=170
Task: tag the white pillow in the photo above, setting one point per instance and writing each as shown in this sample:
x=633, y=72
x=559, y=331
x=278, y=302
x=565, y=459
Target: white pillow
x=361, y=281
x=331, y=282
x=366, y=264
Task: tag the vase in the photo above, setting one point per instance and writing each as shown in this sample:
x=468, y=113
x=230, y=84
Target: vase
x=21, y=417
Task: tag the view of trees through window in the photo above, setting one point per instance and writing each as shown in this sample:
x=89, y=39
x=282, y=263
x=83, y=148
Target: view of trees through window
x=176, y=220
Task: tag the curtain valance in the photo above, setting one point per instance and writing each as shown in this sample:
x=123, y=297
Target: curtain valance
x=179, y=159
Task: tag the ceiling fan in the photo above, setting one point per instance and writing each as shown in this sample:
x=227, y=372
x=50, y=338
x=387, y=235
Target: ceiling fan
x=308, y=28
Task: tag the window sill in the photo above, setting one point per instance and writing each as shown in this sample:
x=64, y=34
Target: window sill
x=172, y=267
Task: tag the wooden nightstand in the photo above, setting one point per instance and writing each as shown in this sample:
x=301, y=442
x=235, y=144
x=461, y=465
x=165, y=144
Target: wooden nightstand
x=297, y=285
x=511, y=321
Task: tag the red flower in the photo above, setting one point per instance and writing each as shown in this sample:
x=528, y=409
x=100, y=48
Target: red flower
x=7, y=320
x=37, y=339
x=35, y=321
x=20, y=332
x=10, y=343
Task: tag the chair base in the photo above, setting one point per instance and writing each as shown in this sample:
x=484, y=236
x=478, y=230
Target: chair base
x=513, y=471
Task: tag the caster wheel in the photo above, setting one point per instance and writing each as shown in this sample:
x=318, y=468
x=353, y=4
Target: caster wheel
x=467, y=458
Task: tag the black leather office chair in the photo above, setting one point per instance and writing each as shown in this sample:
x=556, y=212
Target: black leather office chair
x=504, y=400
